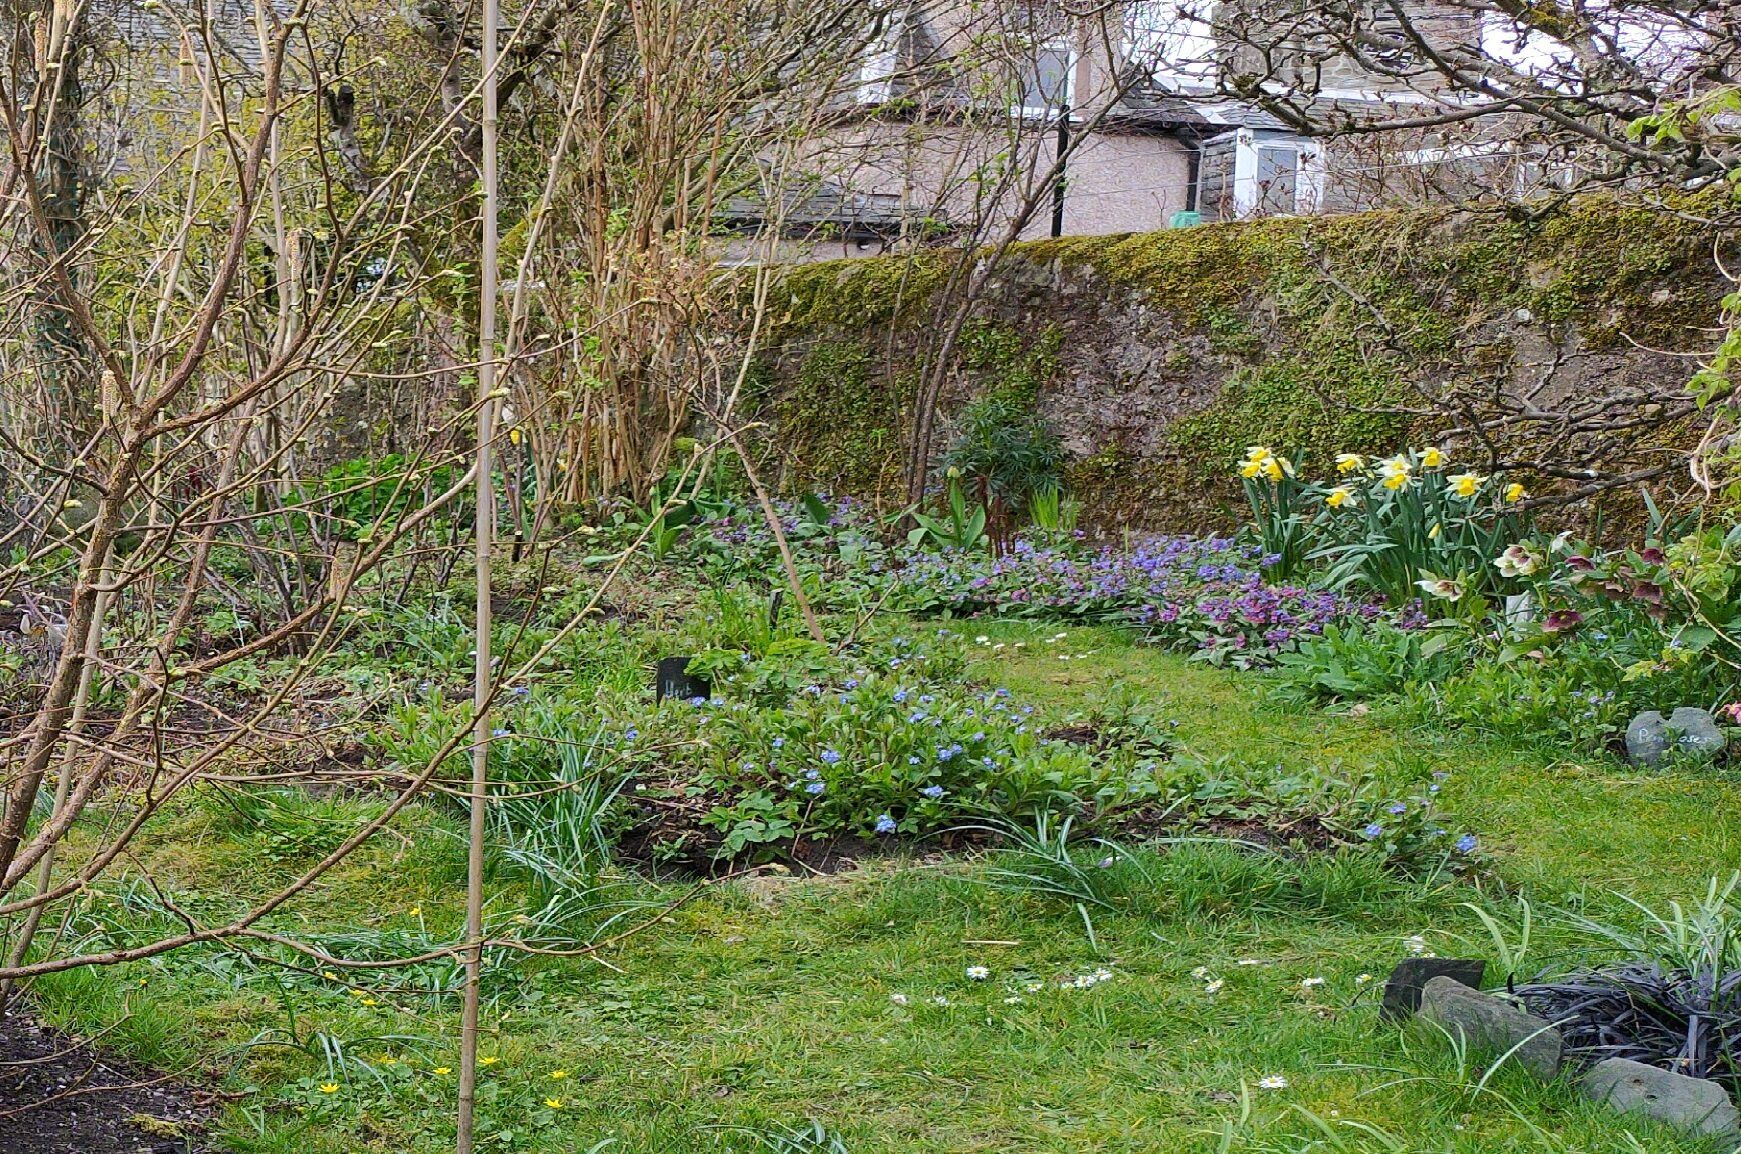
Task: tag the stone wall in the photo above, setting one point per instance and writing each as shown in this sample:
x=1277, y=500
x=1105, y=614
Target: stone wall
x=1157, y=358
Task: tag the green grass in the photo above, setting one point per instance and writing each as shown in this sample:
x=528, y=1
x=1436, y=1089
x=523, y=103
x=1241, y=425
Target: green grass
x=738, y=1015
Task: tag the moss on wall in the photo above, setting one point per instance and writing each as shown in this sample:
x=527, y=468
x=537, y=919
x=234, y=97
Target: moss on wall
x=840, y=420
x=1306, y=333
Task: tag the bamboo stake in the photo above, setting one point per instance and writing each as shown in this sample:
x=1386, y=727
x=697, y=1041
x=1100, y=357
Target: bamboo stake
x=481, y=677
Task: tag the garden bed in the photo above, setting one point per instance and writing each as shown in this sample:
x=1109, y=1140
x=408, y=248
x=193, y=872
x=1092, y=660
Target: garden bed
x=62, y=1095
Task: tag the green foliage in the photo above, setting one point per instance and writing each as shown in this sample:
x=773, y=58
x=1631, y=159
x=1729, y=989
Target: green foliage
x=1362, y=661
x=962, y=526
x=1412, y=526
x=840, y=419
x=1005, y=451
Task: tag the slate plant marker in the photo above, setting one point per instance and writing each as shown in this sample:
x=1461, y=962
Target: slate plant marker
x=1402, y=993
x=674, y=680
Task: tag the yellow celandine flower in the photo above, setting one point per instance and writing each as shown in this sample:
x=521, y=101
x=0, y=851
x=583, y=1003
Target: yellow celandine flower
x=1348, y=462
x=442, y=1070
x=1432, y=457
x=329, y=1087
x=553, y=1103
x=1515, y=492
x=415, y=911
x=1465, y=484
x=370, y=1002
x=489, y=1061
x=559, y=1074
x=1338, y=497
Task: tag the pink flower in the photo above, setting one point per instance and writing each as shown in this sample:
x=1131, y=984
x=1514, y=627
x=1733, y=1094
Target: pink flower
x=1732, y=711
x=1563, y=621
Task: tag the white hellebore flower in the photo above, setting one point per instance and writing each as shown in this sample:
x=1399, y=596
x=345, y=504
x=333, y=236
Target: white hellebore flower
x=1517, y=561
x=1442, y=588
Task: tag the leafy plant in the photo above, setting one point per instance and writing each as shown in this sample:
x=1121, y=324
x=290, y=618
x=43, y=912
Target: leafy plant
x=1363, y=660
x=962, y=526
x=1281, y=525
x=1673, y=999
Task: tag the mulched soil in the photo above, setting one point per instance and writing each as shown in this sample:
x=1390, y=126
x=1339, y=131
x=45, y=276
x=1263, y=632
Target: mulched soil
x=59, y=1096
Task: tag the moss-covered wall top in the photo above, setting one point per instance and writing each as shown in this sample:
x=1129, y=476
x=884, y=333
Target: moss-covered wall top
x=1159, y=357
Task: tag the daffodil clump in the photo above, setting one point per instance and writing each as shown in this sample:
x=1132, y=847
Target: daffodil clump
x=1407, y=526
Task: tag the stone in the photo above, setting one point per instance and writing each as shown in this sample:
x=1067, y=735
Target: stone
x=1697, y=1105
x=1487, y=1023
x=1650, y=736
x=1402, y=993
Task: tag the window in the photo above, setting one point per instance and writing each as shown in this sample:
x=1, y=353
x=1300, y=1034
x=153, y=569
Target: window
x=876, y=75
x=1241, y=174
x=1047, y=78
x=1278, y=180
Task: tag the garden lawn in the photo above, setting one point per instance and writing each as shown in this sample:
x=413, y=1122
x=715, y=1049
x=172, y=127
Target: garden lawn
x=747, y=1011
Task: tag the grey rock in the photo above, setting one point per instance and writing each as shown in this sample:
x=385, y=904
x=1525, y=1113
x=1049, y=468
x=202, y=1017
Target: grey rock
x=1650, y=736
x=1487, y=1023
x=1697, y=1105
x=1402, y=993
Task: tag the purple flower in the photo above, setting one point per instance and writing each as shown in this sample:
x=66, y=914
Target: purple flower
x=885, y=824
x=1372, y=832
x=815, y=787
x=1467, y=843
x=931, y=791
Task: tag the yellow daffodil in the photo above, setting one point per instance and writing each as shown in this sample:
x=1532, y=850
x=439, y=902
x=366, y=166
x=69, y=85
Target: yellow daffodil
x=329, y=1087
x=1257, y=452
x=1515, y=492
x=1396, y=473
x=1251, y=469
x=1432, y=457
x=1433, y=533
x=1466, y=484
x=553, y=1103
x=1349, y=462
x=1339, y=496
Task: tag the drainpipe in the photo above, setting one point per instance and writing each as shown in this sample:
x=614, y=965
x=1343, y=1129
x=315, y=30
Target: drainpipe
x=1193, y=169
x=1058, y=185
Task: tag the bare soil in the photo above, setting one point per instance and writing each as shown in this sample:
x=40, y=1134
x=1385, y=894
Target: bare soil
x=60, y=1095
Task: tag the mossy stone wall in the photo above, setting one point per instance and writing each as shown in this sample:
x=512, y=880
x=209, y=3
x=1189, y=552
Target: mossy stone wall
x=1157, y=358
